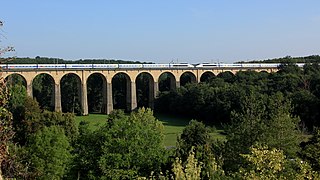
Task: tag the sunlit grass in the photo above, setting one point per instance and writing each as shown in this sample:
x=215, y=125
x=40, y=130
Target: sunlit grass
x=94, y=120
x=173, y=126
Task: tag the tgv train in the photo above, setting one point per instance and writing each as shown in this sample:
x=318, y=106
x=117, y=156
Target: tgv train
x=95, y=66
x=139, y=66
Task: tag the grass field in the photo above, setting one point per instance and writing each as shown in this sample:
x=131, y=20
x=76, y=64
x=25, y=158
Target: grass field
x=173, y=126
x=95, y=120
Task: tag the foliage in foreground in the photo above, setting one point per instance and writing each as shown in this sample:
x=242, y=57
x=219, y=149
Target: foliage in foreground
x=267, y=164
x=263, y=163
x=6, y=131
x=196, y=139
x=49, y=153
x=265, y=120
x=310, y=151
x=191, y=170
x=126, y=147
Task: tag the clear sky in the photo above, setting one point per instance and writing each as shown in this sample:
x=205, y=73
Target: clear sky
x=163, y=30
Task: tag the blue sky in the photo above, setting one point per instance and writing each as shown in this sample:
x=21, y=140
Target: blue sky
x=163, y=30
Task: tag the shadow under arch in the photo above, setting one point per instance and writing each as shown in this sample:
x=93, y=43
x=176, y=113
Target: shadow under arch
x=16, y=79
x=43, y=88
x=167, y=82
x=145, y=90
x=207, y=76
x=121, y=91
x=187, y=77
x=17, y=87
x=264, y=72
x=71, y=93
x=97, y=93
x=227, y=76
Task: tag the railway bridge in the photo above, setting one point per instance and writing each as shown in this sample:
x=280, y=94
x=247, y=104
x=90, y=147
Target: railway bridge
x=196, y=75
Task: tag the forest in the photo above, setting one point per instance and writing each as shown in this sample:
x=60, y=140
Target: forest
x=270, y=121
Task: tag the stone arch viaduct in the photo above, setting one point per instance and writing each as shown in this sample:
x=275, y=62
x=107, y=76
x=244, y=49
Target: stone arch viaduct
x=108, y=74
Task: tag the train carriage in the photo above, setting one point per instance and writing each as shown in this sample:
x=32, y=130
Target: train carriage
x=105, y=66
x=181, y=65
x=22, y=66
x=130, y=66
x=79, y=66
x=51, y=66
x=156, y=66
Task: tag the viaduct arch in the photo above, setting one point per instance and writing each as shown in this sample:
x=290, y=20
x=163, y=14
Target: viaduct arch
x=108, y=75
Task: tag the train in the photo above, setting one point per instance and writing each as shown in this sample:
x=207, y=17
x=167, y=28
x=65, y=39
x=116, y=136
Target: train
x=141, y=66
x=95, y=66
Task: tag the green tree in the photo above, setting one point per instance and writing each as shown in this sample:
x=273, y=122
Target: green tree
x=265, y=163
x=64, y=120
x=126, y=147
x=6, y=130
x=263, y=119
x=196, y=139
x=49, y=153
x=306, y=106
x=195, y=135
x=87, y=151
x=284, y=82
x=29, y=118
x=26, y=120
x=18, y=95
x=282, y=130
x=310, y=151
x=190, y=171
x=138, y=148
x=289, y=67
x=227, y=76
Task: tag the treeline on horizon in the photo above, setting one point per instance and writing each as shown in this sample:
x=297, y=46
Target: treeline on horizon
x=288, y=59
x=48, y=60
